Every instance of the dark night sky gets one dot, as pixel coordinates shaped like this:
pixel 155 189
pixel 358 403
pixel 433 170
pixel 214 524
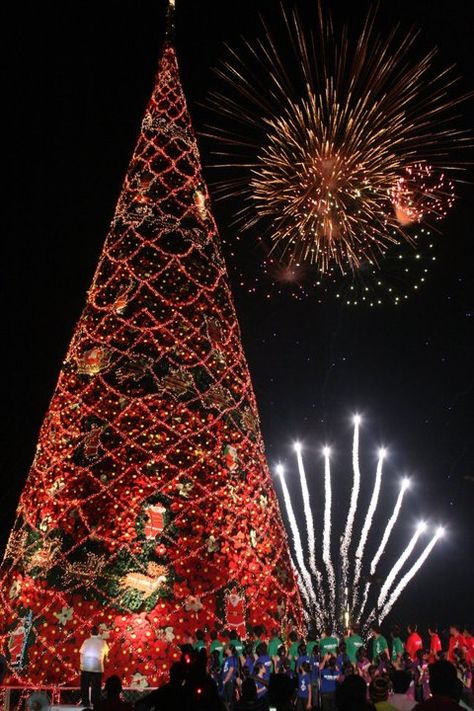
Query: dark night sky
pixel 78 79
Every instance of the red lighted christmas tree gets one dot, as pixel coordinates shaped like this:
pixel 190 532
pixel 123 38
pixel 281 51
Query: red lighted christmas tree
pixel 149 509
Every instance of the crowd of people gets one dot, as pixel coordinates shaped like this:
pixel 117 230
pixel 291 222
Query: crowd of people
pixel 265 672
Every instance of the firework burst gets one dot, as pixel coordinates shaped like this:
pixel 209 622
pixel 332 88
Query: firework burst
pixel 342 153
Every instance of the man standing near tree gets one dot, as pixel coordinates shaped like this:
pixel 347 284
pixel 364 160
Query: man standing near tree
pixel 93 653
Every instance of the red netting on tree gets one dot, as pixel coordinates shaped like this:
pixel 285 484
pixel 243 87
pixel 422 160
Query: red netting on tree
pixel 149 509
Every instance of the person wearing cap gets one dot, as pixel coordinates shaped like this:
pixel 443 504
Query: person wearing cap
pixel 378 691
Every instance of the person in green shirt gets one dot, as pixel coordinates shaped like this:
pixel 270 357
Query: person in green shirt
pixel 293 649
pixel 238 644
pixel 200 641
pixel 328 644
pixel 259 632
pixel 397 645
pixel 217 645
pixel 311 642
pixel 274 645
pixel 379 645
pixel 353 643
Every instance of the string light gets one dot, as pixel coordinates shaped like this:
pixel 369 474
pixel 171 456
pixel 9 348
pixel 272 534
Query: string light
pixel 149 509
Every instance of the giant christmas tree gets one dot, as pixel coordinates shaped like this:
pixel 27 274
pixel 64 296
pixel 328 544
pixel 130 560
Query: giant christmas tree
pixel 149 508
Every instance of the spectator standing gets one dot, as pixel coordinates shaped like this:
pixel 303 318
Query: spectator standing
pixel 216 645
pixel 303 657
pixel 303 695
pixel 469 640
pixel 329 675
pixel 264 659
pixel 456 641
pixel 229 676
pixel 315 660
pixel 414 642
pixel 397 647
pixel 353 643
pixel 435 643
pixel 248 700
pixel 328 643
pixel 293 649
pixel 274 645
pixel 379 646
pixel 200 642
pixel 260 681
pixel 94 651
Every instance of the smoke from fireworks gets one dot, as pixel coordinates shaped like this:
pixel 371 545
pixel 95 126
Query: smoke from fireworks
pixel 342 593
pixel 340 153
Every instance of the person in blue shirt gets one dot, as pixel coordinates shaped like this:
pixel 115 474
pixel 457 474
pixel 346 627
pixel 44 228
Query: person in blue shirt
pixel 304 694
pixel 260 682
pixel 263 658
pixel 302 658
pixel 342 656
pixel 229 675
pixel 315 660
pixel 247 658
pixel 329 675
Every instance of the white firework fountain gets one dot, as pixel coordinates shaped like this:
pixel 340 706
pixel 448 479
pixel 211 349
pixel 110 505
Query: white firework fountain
pixel 338 594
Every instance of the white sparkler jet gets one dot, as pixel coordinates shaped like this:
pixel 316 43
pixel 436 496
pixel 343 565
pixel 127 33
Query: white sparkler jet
pixel 346 541
pixel 296 536
pixel 308 514
pixel 368 523
pixel 327 531
pixel 405 485
pixel 400 563
pixel 411 573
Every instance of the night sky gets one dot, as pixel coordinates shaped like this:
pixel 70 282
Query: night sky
pixel 78 79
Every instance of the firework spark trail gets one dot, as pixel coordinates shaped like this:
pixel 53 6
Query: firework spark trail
pixel 309 520
pixel 391 523
pixel 296 538
pixel 346 541
pixel 410 573
pixel 301 584
pixel 386 535
pixel 367 526
pixel 327 533
pixel 399 564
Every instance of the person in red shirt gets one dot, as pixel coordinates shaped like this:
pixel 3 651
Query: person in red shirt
pixel 414 642
pixel 469 639
pixel 435 643
pixel 456 641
